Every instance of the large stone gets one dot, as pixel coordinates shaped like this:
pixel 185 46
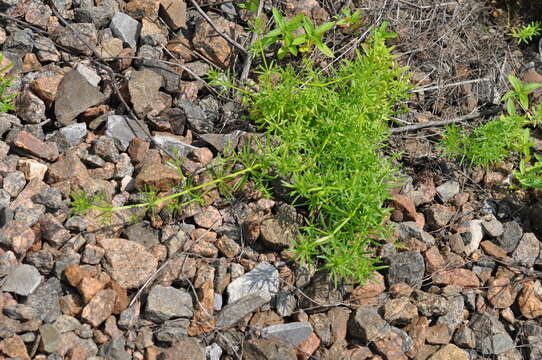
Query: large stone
pixel 124 129
pixel 143 87
pixel 207 41
pixel 23 280
pixel 461 277
pixel 85 34
pixel 45 300
pixel 17 236
pixel 99 308
pixel 527 250
pixel 367 325
pixel 263 279
pixel 293 333
pixel 448 190
pixel 233 312
pixel 268 349
pixel 530 300
pixel 166 302
pixel 491 336
pixel 512 233
pixel 186 349
pixel 450 352
pixel 125 28
pixel 410 229
pixel 28 143
pixel 408 267
pixel 157 176
pixel 29 107
pixel 277 234
pixel 174 13
pixel 128 262
pixel 75 95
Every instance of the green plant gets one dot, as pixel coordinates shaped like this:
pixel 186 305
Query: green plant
pixel 350 20
pixel 529 175
pixel 495 140
pixel 6 101
pixel 83 203
pixel 291 43
pixel 250 5
pixel 325 148
pixel 526 33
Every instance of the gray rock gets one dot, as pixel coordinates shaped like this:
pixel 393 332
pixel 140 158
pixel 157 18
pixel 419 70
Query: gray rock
pixel 98 15
pixel 213 352
pixel 142 233
pixel 7 121
pixel 89 74
pixel 125 28
pixel 23 280
pixel 50 197
pixel 172 331
pixel 491 336
pixel 129 316
pixel 233 312
pixel 277 233
pixel 66 323
pixel 430 304
pixel 409 229
pixel 464 337
pixel 407 343
pixel 293 333
pixel 50 338
pixel 510 237
pixel 196 117
pixel 368 325
pixel 492 226
pixel 321 290
pixel 45 50
pixel 166 302
pixel 173 146
pixel 104 147
pixel 263 279
pixel 448 190
pixel 322 327
pixel 124 129
pixel 217 305
pixel 14 183
pixel 143 87
pixel 115 349
pixel 20 42
pixel 285 303
pixel 87 31
pixel 42 260
pixel 75 95
pixel 68 258
pixel 535 347
pixel 29 215
pixel 527 250
pixel 454 315
pixel 221 142
pixel 20 312
pixel 268 349
pixel 71 135
pixel 408 267
pixel 29 107
pixel 46 300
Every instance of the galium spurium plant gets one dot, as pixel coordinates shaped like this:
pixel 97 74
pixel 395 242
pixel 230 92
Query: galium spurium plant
pixel 327 133
pixel 497 139
pixel 526 33
pixel 6 100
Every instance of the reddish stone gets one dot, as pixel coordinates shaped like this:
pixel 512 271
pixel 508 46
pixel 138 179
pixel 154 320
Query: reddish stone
pixel 308 347
pixel 29 143
pixel 461 277
pixel 433 260
pixel 99 308
pixel 46 88
pixel 405 205
pixel 501 294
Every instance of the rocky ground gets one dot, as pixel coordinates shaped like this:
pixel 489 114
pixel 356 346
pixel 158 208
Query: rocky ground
pixel 108 89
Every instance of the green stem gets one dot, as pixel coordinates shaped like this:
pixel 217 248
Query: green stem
pixel 175 195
